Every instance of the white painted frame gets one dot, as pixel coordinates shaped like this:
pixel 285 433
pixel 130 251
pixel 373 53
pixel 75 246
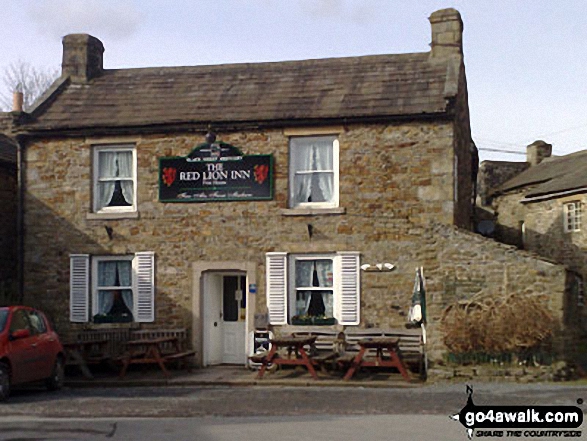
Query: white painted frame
pixel 572 216
pixel 95 288
pixel 292 290
pixel 335 172
pixel 96 150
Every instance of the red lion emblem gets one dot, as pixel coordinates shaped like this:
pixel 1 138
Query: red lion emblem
pixel 261 172
pixel 169 175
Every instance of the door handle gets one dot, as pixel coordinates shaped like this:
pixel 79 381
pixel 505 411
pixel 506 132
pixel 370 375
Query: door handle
pixel 215 323
pixel 33 345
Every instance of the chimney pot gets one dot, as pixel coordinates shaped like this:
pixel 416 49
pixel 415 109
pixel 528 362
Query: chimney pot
pixel 82 57
pixel 537 152
pixel 17 101
pixel 447 33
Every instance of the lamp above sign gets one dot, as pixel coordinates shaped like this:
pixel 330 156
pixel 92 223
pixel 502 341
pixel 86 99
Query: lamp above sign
pixel 215 171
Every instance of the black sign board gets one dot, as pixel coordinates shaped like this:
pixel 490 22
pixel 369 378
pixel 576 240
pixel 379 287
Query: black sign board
pixel 216 171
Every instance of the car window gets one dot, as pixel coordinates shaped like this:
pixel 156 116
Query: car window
pixel 3 318
pixel 19 321
pixel 37 322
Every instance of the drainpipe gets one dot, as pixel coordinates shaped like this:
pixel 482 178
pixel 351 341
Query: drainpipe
pixel 20 216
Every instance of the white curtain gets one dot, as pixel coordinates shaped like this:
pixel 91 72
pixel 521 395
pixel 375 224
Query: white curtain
pixel 107 169
pixel 323 161
pixel 125 171
pixel 125 278
pixel 305 278
pixel 324 270
pixel 301 160
pixel 106 277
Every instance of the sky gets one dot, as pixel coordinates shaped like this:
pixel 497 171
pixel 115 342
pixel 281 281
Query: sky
pixel 525 59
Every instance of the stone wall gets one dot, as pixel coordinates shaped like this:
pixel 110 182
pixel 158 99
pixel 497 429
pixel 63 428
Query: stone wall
pixel 390 177
pixel 8 236
pixel 494 173
pixel 544 235
pixel 396 189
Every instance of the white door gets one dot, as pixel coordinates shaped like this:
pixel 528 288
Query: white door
pixel 224 318
pixel 212 318
pixel 233 315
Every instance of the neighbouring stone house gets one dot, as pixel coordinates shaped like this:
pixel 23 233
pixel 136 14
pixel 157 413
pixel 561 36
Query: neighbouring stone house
pixel 135 217
pixel 8 220
pixel 540 209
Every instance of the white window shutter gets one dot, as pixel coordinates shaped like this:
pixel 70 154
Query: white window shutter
pixel 79 287
pixel 276 282
pixel 144 283
pixel 349 289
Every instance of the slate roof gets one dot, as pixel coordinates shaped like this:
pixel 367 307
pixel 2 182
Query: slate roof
pixel 334 88
pixel 553 175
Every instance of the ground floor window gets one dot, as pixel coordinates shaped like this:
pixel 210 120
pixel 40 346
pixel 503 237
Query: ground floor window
pixel 112 289
pixel 310 289
pixel 313 290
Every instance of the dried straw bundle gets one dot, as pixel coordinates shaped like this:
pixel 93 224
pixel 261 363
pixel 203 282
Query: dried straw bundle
pixel 497 325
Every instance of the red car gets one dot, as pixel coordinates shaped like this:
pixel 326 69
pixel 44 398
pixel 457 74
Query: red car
pixel 30 350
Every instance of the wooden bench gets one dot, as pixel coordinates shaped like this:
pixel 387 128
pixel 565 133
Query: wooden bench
pixel 328 346
pixel 169 350
pixel 410 342
pixel 115 340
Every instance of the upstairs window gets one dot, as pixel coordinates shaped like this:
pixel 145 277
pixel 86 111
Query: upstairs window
pixel 572 216
pixel 114 179
pixel 313 175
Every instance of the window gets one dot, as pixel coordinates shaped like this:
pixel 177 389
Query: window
pixel 313 178
pixel 118 289
pixel 312 293
pixel 3 318
pixel 38 324
pixel 113 299
pixel 302 288
pixel 572 216
pixel 115 179
pixel 20 321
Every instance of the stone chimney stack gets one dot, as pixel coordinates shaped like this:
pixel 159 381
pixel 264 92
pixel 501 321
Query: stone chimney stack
pixel 17 101
pixel 82 57
pixel 447 33
pixel 537 152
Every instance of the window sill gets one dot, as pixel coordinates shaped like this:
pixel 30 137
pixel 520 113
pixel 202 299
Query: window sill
pixel 98 326
pixel 112 216
pixel 312 211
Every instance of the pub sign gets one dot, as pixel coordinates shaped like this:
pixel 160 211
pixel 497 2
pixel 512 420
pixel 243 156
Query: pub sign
pixel 215 171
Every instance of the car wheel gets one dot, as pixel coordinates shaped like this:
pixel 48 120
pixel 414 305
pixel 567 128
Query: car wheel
pixel 55 381
pixel 4 382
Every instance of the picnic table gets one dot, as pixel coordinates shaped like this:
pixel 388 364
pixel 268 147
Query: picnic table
pixel 296 354
pixel 81 353
pixel 380 344
pixel 149 351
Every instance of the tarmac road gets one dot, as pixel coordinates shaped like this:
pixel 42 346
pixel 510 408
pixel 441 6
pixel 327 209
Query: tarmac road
pixel 196 401
pixel 219 413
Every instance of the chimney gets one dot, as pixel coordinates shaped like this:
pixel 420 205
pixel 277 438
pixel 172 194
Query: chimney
pixel 447 33
pixel 537 152
pixel 82 57
pixel 17 101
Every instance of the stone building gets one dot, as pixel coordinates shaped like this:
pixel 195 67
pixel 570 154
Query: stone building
pixel 539 209
pixel 8 221
pixel 134 218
